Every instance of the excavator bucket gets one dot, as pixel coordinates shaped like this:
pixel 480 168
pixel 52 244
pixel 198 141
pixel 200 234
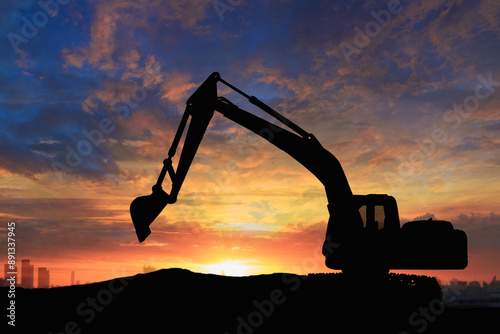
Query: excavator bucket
pixel 144 211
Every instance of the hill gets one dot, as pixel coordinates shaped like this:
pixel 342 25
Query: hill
pixel 180 301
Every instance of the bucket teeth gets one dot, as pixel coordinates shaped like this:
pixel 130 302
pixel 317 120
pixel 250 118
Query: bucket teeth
pixel 142 232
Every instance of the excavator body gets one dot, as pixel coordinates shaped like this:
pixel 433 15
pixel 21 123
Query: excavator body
pixel 383 244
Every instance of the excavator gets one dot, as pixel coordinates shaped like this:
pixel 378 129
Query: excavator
pixel 363 232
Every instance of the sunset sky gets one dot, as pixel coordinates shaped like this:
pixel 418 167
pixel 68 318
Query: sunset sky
pixel 405 94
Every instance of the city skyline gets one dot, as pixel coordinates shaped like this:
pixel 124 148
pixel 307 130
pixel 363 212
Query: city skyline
pixel 26 277
pixel 456 293
pixel 45 280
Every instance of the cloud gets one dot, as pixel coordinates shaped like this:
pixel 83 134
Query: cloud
pixel 426 216
pixel 177 86
pixel 114 24
pixel 72 58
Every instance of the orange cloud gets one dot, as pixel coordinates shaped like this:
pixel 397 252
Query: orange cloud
pixel 176 88
pixel 72 58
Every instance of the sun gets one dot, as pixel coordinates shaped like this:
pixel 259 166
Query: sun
pixel 229 268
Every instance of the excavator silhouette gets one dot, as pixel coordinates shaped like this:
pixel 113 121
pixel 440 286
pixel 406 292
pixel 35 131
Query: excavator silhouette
pixel 363 232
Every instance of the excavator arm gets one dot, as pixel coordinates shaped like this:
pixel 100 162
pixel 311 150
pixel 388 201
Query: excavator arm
pixel 301 145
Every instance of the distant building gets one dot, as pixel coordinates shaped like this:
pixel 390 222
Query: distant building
pixel 72 278
pixel 494 285
pixel 43 278
pixel 27 273
pixel 462 295
pixel 459 283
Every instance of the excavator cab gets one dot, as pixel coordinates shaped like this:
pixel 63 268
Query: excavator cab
pixel 378 212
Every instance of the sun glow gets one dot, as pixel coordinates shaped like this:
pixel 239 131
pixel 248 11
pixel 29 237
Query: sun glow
pixel 230 268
